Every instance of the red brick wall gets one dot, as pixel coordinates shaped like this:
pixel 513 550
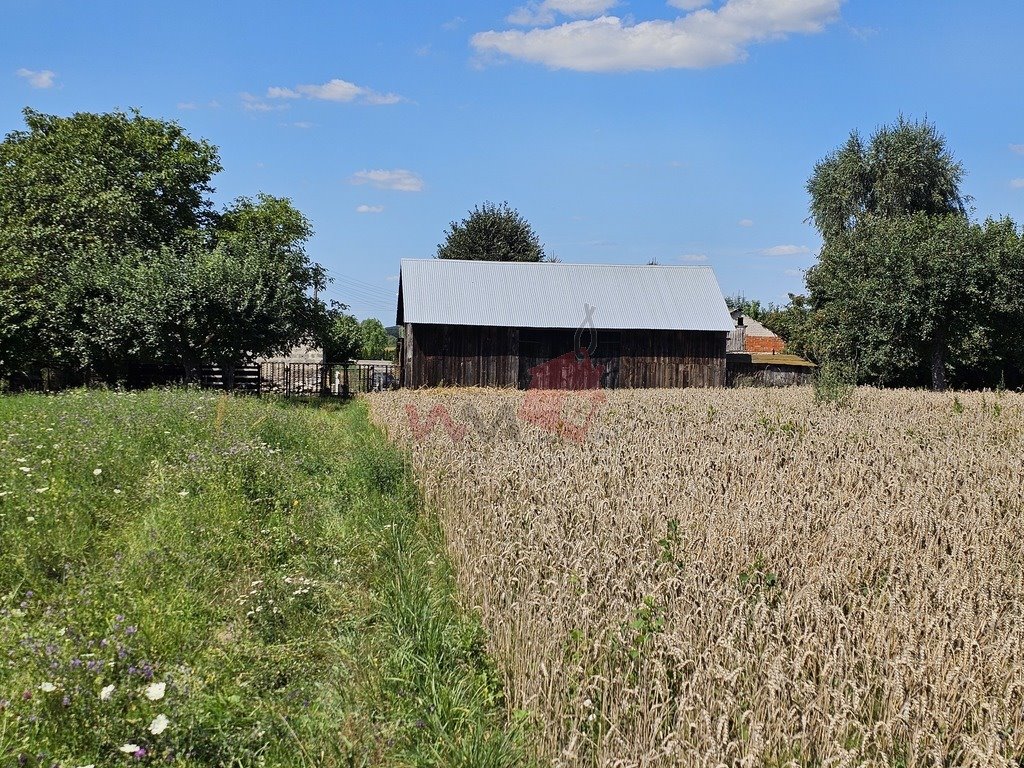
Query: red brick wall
pixel 763 344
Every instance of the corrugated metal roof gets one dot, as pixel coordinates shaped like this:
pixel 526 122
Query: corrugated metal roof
pixel 554 295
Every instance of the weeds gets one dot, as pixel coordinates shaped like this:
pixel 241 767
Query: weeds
pixel 193 580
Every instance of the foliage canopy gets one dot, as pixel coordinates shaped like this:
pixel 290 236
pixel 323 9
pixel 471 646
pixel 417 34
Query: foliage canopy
pixel 111 252
pixel 492 232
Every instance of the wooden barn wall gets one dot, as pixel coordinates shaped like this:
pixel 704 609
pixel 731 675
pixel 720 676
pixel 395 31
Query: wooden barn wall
pixel 453 355
pixel 671 359
pixel 461 355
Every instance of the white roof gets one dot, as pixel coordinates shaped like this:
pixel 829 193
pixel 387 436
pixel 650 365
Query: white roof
pixel 554 295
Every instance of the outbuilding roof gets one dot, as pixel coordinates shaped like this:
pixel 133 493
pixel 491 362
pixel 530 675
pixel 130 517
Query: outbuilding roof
pixel 555 295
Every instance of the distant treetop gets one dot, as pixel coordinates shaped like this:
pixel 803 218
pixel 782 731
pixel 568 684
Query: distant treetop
pixel 492 232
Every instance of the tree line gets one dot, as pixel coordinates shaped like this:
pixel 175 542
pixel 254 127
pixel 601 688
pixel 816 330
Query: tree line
pixel 908 290
pixel 112 255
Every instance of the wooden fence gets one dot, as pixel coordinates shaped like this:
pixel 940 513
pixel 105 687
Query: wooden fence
pixel 289 379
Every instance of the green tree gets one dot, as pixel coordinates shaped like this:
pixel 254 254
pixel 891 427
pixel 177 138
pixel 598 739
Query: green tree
pixel 899 276
pixel 111 253
pixel 752 308
pixel 342 340
pixel 77 195
pixel 374 340
pixel 492 233
pixel 791 323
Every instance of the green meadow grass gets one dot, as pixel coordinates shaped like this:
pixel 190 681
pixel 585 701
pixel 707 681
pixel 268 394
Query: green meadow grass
pixel 192 579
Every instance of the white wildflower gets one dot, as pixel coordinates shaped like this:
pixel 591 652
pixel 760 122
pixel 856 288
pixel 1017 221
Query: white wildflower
pixel 47 687
pixel 97 471
pixel 117 491
pixel 183 493
pixel 106 692
pixel 44 489
pixel 155 691
pixel 30 519
pixel 25 469
pixel 130 749
pixel 159 725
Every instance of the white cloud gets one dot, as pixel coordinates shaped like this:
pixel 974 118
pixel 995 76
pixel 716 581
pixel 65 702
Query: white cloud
pixel 281 93
pixel 42 78
pixel 398 179
pixel 453 23
pixel 369 209
pixel 1017 183
pixel 794 272
pixel 693 258
pixel 535 13
pixel 195 105
pixel 334 90
pixel 689 5
pixel 786 250
pixel 702 38
pixel 304 124
pixel 746 222
pixel 256 104
pixel 1018 148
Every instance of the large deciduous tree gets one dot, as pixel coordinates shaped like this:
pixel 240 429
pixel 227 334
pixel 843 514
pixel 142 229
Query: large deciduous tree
pixel 492 232
pixel 111 253
pixel 374 339
pixel 901 279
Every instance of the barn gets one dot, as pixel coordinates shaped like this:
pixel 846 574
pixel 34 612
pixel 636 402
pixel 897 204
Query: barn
pixel 503 324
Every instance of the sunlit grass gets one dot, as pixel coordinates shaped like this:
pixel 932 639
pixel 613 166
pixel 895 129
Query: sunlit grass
pixel 199 580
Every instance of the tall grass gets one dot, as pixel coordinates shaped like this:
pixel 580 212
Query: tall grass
pixel 197 580
pixel 745 577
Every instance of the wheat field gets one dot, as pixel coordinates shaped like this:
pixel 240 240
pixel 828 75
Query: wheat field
pixel 740 577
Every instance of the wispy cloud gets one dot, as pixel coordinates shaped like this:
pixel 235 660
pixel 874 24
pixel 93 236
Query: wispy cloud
pixel 689 5
pixel 692 258
pixel 369 209
pixel 453 23
pixel 541 12
pixel 303 124
pixel 794 272
pixel 1018 148
pixel 189 105
pixel 334 90
pixel 786 250
pixel 1017 183
pixel 253 103
pixel 397 179
pixel 746 222
pixel 38 78
pixel 697 39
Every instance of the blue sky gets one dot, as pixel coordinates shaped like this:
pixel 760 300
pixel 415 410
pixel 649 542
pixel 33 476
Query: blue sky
pixel 682 131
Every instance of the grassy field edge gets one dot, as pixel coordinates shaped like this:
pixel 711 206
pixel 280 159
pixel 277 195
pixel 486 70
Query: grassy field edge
pixel 197 580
